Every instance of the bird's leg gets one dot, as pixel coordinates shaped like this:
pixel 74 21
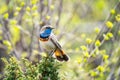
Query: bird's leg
pixel 51 53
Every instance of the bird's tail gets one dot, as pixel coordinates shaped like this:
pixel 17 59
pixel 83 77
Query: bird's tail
pixel 60 55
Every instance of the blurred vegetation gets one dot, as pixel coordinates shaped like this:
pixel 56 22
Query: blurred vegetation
pixel 44 70
pixel 88 31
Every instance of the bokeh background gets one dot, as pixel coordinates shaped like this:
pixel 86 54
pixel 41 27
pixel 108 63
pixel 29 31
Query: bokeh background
pixel 88 31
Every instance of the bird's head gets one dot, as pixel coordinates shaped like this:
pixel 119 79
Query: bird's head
pixel 47 29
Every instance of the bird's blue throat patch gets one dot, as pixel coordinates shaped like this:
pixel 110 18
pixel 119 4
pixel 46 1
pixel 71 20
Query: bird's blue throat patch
pixel 46 34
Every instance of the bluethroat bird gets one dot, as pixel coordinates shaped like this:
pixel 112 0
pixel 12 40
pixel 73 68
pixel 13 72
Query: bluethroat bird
pixel 50 43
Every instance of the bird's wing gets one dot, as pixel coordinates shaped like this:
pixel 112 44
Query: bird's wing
pixel 59 53
pixel 55 41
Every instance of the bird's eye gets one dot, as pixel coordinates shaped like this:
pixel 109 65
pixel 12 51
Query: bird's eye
pixel 47 27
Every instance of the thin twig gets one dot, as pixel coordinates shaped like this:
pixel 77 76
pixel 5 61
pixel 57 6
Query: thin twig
pixel 59 13
pixel 104 29
pixel 32 40
pixel 7 36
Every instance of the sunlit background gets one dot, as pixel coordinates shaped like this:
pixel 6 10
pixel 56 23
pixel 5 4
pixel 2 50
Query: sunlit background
pixel 79 28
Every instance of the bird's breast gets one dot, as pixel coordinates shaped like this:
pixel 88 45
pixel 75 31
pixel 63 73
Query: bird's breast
pixel 47 45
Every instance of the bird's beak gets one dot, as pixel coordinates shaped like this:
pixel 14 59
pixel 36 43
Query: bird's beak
pixel 52 28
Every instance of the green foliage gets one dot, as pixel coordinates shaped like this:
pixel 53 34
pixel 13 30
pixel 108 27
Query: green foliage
pixel 49 69
pixel 25 70
pixel 12 70
pixel 30 70
pixel 79 25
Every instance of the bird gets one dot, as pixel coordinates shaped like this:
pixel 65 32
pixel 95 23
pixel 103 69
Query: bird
pixel 50 43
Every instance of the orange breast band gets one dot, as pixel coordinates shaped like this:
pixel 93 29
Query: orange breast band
pixel 41 39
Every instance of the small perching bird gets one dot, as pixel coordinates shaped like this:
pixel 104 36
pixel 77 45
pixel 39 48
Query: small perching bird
pixel 50 43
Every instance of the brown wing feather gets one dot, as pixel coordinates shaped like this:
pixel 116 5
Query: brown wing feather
pixel 55 42
pixel 59 52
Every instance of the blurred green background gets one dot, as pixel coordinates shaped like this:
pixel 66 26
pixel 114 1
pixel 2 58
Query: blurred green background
pixel 78 23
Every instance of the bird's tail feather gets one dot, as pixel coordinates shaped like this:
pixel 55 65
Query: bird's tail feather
pixel 60 55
